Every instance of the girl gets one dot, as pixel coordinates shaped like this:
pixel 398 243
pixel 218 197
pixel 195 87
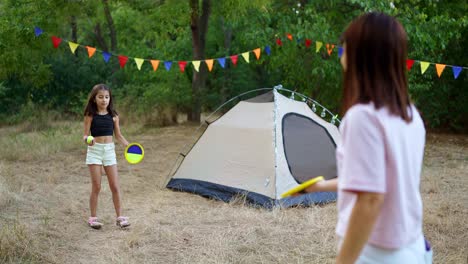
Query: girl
pixel 102 121
pixel 380 156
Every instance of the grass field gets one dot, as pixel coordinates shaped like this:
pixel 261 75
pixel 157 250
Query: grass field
pixel 44 192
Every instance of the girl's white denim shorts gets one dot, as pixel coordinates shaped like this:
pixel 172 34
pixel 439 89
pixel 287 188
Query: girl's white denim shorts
pixel 101 154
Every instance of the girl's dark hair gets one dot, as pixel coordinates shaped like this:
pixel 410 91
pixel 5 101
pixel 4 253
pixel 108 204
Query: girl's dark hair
pixel 376 53
pixel 91 107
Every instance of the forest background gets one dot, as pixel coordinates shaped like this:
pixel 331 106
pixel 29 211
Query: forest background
pixel 38 81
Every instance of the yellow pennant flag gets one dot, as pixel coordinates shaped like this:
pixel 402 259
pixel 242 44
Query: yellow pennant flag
pixel 440 68
pixel 424 66
pixel 73 46
pixel 245 55
pixel 196 65
pixel 139 62
pixel 318 45
pixel 209 63
pixel 91 51
pixel 155 64
pixel 257 53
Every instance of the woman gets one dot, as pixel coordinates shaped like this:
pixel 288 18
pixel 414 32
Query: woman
pixel 380 156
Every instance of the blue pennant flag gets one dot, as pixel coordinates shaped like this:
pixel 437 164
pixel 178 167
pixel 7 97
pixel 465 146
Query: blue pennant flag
pixel 168 65
pixel 268 50
pixel 298 40
pixel 37 31
pixel 106 56
pixel 222 62
pixel 340 52
pixel 456 71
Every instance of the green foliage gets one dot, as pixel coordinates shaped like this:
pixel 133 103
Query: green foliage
pixel 33 75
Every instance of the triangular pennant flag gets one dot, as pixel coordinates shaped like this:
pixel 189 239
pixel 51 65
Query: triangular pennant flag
pixel 56 41
pixel 196 65
pixel 122 60
pixel 155 64
pixel 318 45
pixel 139 62
pixel 424 66
pixel 409 64
pixel 91 51
pixel 456 71
pixel 234 59
pixel 106 56
pixel 440 68
pixel 278 41
pixel 257 53
pixel 222 62
pixel 209 63
pixel 308 42
pixel 298 40
pixel 73 46
pixel 168 65
pixel 330 48
pixel 289 36
pixel 182 65
pixel 340 52
pixel 245 55
pixel 268 50
pixel 37 31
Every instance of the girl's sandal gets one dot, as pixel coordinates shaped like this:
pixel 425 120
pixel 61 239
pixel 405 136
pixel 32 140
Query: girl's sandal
pixel 122 222
pixel 94 223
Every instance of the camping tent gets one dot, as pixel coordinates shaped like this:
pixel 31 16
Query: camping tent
pixel 261 148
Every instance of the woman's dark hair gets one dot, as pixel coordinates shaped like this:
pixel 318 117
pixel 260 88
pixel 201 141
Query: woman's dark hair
pixel 376 53
pixel 91 107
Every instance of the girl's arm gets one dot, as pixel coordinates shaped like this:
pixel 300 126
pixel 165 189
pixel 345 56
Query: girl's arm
pixel 361 223
pixel 87 127
pixel 119 135
pixel 324 186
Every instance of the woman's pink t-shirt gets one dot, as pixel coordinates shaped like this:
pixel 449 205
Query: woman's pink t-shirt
pixel 380 152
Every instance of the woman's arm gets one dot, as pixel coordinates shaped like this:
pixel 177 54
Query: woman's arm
pixel 324 186
pixel 87 127
pixel 361 223
pixel 118 134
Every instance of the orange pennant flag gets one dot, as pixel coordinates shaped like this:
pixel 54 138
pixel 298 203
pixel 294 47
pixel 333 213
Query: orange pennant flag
pixel 91 51
pixel 209 63
pixel 330 48
pixel 440 68
pixel 257 53
pixel 290 37
pixel 155 64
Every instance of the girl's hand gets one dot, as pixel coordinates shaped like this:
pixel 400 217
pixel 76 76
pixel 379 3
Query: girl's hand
pixel 91 143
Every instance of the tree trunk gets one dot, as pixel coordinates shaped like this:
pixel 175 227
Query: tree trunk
pixel 110 24
pixel 227 30
pixel 74 29
pixel 199 27
pixel 74 32
pixel 99 38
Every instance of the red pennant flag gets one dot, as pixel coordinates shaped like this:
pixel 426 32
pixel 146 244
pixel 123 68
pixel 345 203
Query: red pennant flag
pixel 330 48
pixel 234 59
pixel 182 65
pixel 56 41
pixel 289 36
pixel 409 64
pixel 278 41
pixel 308 42
pixel 122 60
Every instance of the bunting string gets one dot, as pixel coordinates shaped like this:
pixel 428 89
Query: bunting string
pixel 319 45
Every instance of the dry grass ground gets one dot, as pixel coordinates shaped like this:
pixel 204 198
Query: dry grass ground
pixel 44 189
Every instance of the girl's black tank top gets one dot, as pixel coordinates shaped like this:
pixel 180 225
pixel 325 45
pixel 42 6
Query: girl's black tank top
pixel 102 125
